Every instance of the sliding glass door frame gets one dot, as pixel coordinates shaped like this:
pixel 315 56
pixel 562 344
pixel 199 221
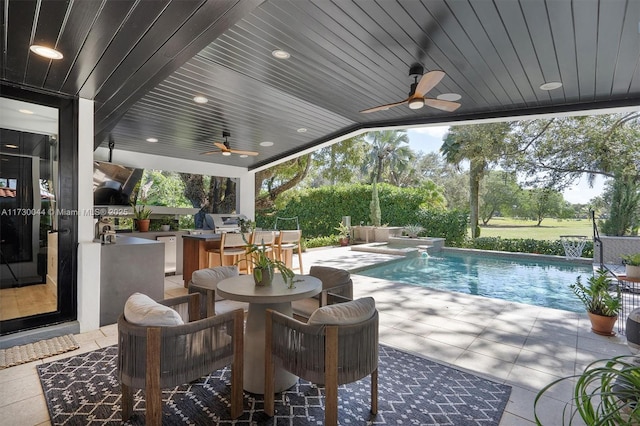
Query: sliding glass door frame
pixel 67 204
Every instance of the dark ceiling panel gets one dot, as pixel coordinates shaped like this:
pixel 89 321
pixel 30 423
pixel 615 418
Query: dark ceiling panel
pixel 100 36
pixel 74 34
pixel 49 22
pixel 144 61
pixel 20 20
pixel 135 26
pixel 212 19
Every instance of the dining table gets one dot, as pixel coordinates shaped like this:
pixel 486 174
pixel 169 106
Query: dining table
pixel 278 297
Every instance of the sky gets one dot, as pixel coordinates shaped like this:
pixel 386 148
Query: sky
pixel 429 139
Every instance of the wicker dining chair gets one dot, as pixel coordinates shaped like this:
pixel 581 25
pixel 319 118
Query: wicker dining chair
pixel 205 281
pixel 153 357
pixel 337 287
pixel 339 344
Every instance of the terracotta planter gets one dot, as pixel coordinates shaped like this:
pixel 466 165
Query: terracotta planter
pixel 602 325
pixel 632 271
pixel 344 242
pixel 143 224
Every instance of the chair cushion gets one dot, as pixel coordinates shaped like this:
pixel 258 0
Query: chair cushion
pixel 352 312
pixel 142 310
pixel 329 276
pixel 210 277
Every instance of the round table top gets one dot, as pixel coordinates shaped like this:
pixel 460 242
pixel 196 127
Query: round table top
pixel 243 289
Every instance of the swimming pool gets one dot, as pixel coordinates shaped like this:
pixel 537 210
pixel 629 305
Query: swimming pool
pixel 532 282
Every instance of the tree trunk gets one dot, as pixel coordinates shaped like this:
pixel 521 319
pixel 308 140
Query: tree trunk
pixel 475 174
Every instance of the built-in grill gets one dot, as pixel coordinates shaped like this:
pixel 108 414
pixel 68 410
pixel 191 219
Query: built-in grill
pixel 223 222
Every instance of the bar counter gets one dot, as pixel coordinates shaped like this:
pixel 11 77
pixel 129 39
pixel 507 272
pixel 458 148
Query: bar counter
pixel 194 253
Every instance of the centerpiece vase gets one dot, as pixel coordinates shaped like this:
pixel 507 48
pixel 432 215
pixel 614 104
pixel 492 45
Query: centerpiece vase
pixel 263 276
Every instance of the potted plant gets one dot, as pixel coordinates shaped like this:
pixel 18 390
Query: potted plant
pixel 413 230
pixel 602 307
pixel 632 265
pixel 263 266
pixel 141 218
pixel 343 234
pixel 165 223
pixel 606 393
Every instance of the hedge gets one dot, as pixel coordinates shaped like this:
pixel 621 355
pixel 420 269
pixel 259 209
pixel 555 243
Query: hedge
pixel 522 245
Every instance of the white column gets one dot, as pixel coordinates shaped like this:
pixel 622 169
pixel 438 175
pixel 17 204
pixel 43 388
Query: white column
pixel 88 251
pixel 245 197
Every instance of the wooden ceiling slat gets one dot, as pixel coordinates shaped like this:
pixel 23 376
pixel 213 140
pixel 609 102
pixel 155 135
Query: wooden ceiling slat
pixel 585 15
pixel 608 45
pixel 519 35
pixel 495 29
pixel 440 50
pixel 139 24
pixel 73 37
pixel 18 35
pixel 476 34
pixel 100 36
pixel 537 22
pixel 212 19
pixel 50 18
pixel 560 16
pixel 627 66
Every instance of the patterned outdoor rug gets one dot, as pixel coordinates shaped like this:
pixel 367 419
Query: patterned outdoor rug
pixel 37 350
pixel 84 390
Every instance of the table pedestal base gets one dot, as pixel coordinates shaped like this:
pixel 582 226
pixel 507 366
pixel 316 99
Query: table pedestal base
pixel 254 345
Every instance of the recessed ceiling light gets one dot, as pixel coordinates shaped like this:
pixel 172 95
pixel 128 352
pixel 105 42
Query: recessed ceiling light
pixel 449 97
pixel 281 54
pixel 302 130
pixel 25 111
pixel 47 52
pixel 200 100
pixel 266 143
pixel 152 140
pixel 551 85
pixel 11 146
pixel 226 153
pixel 243 156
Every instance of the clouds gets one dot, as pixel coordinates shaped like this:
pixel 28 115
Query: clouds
pixel 433 131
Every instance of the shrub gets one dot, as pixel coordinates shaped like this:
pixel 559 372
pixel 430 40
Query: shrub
pixel 522 245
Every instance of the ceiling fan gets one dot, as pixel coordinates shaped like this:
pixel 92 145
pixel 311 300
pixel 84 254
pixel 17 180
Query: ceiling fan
pixel 225 149
pixel 419 89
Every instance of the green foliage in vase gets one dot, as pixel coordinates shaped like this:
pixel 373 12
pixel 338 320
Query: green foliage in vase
pixel 258 256
pixel 142 212
pixel 631 259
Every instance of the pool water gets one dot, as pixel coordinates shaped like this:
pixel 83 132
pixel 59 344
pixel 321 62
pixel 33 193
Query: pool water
pixel 532 282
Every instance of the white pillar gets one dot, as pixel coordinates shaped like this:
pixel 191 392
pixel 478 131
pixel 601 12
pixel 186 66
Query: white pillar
pixel 246 198
pixel 88 251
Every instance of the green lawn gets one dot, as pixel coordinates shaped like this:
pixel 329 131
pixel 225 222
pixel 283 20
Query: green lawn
pixel 549 229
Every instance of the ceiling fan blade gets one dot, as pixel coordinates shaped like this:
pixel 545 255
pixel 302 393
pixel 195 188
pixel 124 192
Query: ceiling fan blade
pixel 443 105
pixel 239 152
pixel 383 107
pixel 210 152
pixel 221 146
pixel 428 82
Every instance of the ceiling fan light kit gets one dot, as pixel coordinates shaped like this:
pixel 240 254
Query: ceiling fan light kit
pixel 418 94
pixel 226 150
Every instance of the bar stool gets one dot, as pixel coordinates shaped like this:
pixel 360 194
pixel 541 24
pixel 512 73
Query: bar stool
pixel 231 245
pixel 266 239
pixel 285 243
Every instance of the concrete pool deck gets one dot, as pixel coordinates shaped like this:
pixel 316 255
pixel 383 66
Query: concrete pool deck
pixel 523 346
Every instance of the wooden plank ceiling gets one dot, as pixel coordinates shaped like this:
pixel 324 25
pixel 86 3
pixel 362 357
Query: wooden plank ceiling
pixel 144 61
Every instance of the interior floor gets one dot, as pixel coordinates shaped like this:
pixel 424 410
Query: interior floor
pixel 26 301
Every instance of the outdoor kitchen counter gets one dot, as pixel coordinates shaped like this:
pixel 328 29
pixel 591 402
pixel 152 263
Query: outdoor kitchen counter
pixel 128 266
pixel 194 253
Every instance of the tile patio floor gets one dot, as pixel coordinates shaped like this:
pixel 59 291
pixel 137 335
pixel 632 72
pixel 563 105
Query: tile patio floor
pixel 520 345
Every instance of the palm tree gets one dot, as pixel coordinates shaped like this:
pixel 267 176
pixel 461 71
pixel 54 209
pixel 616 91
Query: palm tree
pixel 481 145
pixel 386 148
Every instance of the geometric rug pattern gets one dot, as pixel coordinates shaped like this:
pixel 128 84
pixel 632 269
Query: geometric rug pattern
pixel 84 390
